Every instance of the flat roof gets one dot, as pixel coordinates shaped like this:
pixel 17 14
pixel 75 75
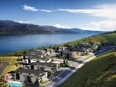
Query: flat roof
pixel 43 63
pixel 31 71
pixel 40 63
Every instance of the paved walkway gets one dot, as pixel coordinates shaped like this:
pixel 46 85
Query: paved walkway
pixel 3 66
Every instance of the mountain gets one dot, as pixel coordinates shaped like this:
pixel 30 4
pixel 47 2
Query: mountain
pixel 14 28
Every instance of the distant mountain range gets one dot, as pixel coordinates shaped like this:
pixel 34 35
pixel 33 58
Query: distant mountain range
pixel 8 27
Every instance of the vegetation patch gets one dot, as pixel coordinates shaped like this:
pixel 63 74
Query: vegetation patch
pixel 109 37
pixel 44 83
pixel 29 85
pixel 9 59
pixel 34 85
pixel 78 58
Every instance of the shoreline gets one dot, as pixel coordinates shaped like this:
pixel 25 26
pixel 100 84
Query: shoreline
pixel 81 40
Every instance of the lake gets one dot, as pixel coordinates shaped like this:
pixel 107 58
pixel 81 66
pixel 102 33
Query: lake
pixel 12 43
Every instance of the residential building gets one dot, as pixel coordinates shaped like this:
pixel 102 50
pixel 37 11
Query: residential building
pixel 30 76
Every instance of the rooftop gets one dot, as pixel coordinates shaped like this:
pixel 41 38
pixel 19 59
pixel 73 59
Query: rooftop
pixel 43 63
pixel 36 72
pixel 40 63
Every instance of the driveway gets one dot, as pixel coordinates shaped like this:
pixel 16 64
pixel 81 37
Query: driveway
pixel 58 78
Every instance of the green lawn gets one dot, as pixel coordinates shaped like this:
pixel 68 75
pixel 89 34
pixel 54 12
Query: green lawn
pixel 33 85
pixel 100 72
pixel 44 83
pixel 78 58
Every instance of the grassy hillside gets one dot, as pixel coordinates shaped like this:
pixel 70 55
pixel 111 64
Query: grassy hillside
pixel 109 37
pixel 12 66
pixel 100 72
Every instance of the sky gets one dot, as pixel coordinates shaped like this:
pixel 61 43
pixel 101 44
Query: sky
pixel 85 14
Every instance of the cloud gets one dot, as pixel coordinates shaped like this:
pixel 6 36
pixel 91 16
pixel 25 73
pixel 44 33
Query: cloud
pixel 21 21
pixel 106 11
pixel 29 8
pixel 108 25
pixel 61 26
pixel 44 10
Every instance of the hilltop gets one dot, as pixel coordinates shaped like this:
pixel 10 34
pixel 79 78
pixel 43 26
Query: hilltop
pixel 106 37
pixel 100 72
pixel 8 27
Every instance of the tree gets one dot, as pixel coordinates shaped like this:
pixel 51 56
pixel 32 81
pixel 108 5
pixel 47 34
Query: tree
pixel 2 82
pixel 65 61
pixel 43 48
pixel 54 47
pixel 50 46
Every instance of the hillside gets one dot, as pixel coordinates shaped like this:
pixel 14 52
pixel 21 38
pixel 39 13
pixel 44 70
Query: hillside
pixel 106 37
pixel 14 28
pixel 100 72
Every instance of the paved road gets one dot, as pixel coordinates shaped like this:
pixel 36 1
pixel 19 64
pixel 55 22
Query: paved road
pixel 3 66
pixel 65 73
pixel 74 65
pixel 57 79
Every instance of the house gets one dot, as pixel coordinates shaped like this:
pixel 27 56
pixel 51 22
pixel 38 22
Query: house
pixel 41 53
pixel 87 47
pixel 107 43
pixel 49 67
pixel 30 76
pixel 70 48
pixel 95 47
pixel 49 50
pixel 59 49
pixel 35 52
pixel 31 59
pixel 71 54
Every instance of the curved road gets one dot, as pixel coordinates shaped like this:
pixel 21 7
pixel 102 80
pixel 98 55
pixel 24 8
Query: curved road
pixel 3 67
pixel 56 81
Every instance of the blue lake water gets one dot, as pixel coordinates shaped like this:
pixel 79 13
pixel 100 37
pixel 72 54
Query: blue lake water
pixel 13 43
